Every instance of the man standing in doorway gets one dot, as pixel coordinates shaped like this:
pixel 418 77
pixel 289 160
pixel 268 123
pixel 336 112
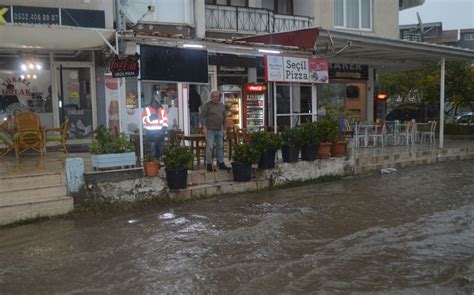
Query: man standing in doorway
pixel 194 104
pixel 213 122
pixel 155 121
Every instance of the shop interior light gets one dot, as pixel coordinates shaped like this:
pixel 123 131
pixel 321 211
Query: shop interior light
pixel 38 67
pixel 22 77
pixel 34 77
pixel 28 76
pixel 193 46
pixel 269 51
pixel 31 66
pixel 23 67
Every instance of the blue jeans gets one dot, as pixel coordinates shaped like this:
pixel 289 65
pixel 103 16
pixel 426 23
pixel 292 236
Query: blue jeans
pixel 216 137
pixel 194 122
pixel 156 139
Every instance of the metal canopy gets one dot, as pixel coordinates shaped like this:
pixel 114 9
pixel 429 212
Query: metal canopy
pixel 377 51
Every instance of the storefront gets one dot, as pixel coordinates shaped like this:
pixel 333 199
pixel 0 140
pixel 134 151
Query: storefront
pixel 48 65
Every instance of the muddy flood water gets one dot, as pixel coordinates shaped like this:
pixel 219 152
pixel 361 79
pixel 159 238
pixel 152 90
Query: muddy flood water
pixel 411 232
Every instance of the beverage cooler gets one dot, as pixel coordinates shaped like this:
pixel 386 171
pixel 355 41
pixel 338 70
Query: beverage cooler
pixel 254 106
pixel 231 96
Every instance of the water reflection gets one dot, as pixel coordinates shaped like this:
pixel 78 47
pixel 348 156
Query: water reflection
pixel 408 232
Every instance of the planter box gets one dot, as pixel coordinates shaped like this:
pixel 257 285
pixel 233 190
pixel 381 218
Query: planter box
pixel 113 160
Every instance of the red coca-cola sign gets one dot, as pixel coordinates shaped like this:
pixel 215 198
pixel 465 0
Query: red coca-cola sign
pixel 127 67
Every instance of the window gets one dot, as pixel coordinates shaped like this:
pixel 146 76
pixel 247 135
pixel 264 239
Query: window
pixel 228 2
pixel 353 14
pixel 469 37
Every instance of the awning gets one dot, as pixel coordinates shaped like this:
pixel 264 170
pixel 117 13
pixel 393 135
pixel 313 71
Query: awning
pixel 383 52
pixel 52 37
pixel 303 39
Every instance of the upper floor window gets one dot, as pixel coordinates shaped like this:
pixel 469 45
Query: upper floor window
pixel 353 14
pixel 229 2
pixel 469 37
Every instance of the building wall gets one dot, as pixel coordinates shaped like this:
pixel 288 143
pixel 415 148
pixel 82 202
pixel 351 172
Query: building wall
pixel 384 17
pixel 106 5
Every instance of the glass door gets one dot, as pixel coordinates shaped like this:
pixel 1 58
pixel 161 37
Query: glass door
pixel 76 99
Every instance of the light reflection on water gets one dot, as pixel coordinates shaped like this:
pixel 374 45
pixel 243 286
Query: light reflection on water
pixel 409 232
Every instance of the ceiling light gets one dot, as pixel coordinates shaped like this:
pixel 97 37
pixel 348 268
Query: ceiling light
pixel 28 76
pixel 269 51
pixel 34 77
pixel 22 77
pixel 193 46
pixel 38 67
pixel 23 67
pixel 31 66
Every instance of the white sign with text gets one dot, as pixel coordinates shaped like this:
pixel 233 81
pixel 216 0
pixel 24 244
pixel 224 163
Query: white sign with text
pixel 279 68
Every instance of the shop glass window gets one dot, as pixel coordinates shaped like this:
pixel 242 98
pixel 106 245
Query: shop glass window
pixel 353 14
pixel 333 98
pixel 469 37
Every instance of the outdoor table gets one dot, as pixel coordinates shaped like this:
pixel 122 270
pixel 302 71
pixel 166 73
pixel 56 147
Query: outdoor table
pixel 195 140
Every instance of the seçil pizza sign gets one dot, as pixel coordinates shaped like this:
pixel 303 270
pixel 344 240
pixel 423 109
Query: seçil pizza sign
pixel 281 68
pixel 125 67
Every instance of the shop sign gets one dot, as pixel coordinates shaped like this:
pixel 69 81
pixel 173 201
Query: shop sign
pixel 348 71
pixel 52 16
pixel 279 68
pixel 127 67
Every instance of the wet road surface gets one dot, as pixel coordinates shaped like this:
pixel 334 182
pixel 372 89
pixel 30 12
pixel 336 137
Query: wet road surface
pixel 407 233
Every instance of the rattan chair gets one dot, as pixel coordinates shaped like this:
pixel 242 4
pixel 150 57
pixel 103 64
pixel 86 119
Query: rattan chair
pixel 29 135
pixel 57 135
pixel 6 136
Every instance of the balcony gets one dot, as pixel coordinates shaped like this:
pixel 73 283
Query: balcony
pixel 233 19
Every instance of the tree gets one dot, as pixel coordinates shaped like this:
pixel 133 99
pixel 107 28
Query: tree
pixel 424 84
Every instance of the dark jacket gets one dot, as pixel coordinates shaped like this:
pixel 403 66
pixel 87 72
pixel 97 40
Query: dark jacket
pixel 194 101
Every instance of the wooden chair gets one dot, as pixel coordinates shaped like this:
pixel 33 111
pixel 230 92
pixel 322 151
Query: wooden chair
pixel 6 136
pixel 242 135
pixel 57 135
pixel 231 140
pixel 29 135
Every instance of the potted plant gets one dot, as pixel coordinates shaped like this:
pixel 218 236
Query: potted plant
pixel 111 151
pixel 338 147
pixel 151 164
pixel 292 142
pixel 177 161
pixel 243 157
pixel 267 143
pixel 328 132
pixel 309 149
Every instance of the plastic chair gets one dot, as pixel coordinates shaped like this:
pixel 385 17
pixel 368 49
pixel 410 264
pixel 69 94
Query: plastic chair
pixel 29 135
pixel 431 134
pixel 378 134
pixel 57 135
pixel 6 137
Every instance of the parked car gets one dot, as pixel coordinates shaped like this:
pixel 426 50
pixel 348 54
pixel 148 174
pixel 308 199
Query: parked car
pixel 410 112
pixel 466 120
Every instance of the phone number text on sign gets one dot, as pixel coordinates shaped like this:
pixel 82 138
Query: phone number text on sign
pixel 44 16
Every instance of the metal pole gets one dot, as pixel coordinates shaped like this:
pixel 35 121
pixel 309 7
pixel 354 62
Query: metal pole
pixel 441 104
pixel 139 97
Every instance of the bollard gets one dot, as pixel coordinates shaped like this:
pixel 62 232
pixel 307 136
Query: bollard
pixel 74 174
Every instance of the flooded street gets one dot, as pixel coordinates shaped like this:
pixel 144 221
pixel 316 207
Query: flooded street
pixel 409 232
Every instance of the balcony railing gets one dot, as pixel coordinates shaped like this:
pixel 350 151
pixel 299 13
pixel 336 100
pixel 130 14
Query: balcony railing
pixel 252 20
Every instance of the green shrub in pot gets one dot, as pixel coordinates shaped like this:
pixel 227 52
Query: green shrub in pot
pixel 243 157
pixel 267 143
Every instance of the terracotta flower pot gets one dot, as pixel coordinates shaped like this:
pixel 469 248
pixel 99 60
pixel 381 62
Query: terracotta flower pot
pixel 151 168
pixel 338 149
pixel 323 152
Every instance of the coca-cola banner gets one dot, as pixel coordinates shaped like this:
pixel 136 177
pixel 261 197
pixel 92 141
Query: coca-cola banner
pixel 126 67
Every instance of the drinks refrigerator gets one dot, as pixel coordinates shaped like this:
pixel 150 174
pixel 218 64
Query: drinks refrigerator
pixel 231 96
pixel 254 106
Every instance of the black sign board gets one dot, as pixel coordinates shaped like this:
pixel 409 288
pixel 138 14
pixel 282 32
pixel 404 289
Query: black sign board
pixel 348 71
pixel 171 64
pixel 35 15
pixel 52 16
pixel 127 67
